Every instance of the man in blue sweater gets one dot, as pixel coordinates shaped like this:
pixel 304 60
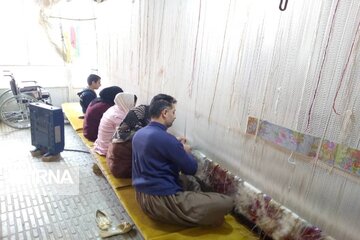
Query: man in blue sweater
pixel 158 158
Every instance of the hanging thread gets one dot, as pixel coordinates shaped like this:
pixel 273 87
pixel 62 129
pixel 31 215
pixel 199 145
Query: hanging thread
pixel 220 63
pixel 290 160
pixel 316 158
pixel 190 84
pixel 343 72
pixel 322 65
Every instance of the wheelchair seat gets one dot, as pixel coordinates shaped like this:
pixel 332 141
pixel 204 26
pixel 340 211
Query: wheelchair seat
pixel 29 89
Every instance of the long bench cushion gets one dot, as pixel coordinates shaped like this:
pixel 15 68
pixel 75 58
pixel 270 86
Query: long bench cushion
pixel 150 229
pixel 230 230
pixel 73 111
pixel 114 182
pixel 88 143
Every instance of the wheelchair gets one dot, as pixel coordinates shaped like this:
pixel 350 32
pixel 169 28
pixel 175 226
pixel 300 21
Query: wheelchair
pixel 14 107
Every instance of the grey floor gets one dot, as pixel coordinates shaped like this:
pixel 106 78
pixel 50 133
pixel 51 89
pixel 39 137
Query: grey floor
pixel 43 216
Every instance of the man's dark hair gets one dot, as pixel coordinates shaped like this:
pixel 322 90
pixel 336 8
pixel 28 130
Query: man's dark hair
pixel 92 78
pixel 159 103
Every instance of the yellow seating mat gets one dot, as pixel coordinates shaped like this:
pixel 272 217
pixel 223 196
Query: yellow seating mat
pixel 149 228
pixel 73 111
pixel 88 143
pixel 230 230
pixel 114 182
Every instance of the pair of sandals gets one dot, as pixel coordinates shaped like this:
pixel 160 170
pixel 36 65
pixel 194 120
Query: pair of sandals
pixel 44 155
pixel 106 230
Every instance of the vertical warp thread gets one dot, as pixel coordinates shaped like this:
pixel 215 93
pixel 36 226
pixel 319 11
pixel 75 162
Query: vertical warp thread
pixel 195 52
pixel 221 58
pixel 139 44
pixel 316 158
pixel 343 72
pixel 322 65
pixel 161 29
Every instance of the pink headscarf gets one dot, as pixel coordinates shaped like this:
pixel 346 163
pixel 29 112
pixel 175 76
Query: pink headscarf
pixel 125 101
pixel 111 119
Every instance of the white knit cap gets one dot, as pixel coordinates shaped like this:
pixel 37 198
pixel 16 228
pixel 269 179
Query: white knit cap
pixel 125 101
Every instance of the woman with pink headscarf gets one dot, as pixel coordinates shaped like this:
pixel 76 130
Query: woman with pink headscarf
pixel 111 119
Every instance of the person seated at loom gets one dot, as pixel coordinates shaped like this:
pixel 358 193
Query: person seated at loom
pixel 111 119
pixel 89 94
pixel 162 192
pixel 119 152
pixel 96 110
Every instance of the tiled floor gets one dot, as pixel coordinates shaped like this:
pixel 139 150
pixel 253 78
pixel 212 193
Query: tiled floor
pixel 55 216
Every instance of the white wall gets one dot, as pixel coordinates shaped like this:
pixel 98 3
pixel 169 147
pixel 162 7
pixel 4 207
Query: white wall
pixel 54 44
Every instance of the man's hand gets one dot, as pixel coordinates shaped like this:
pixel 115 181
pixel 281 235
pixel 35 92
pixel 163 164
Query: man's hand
pixel 187 148
pixel 181 139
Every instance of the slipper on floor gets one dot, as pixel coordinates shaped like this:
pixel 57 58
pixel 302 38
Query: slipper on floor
pixel 122 228
pixel 102 220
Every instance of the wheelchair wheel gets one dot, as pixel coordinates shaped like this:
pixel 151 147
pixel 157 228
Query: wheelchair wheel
pixel 14 111
pixel 5 95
